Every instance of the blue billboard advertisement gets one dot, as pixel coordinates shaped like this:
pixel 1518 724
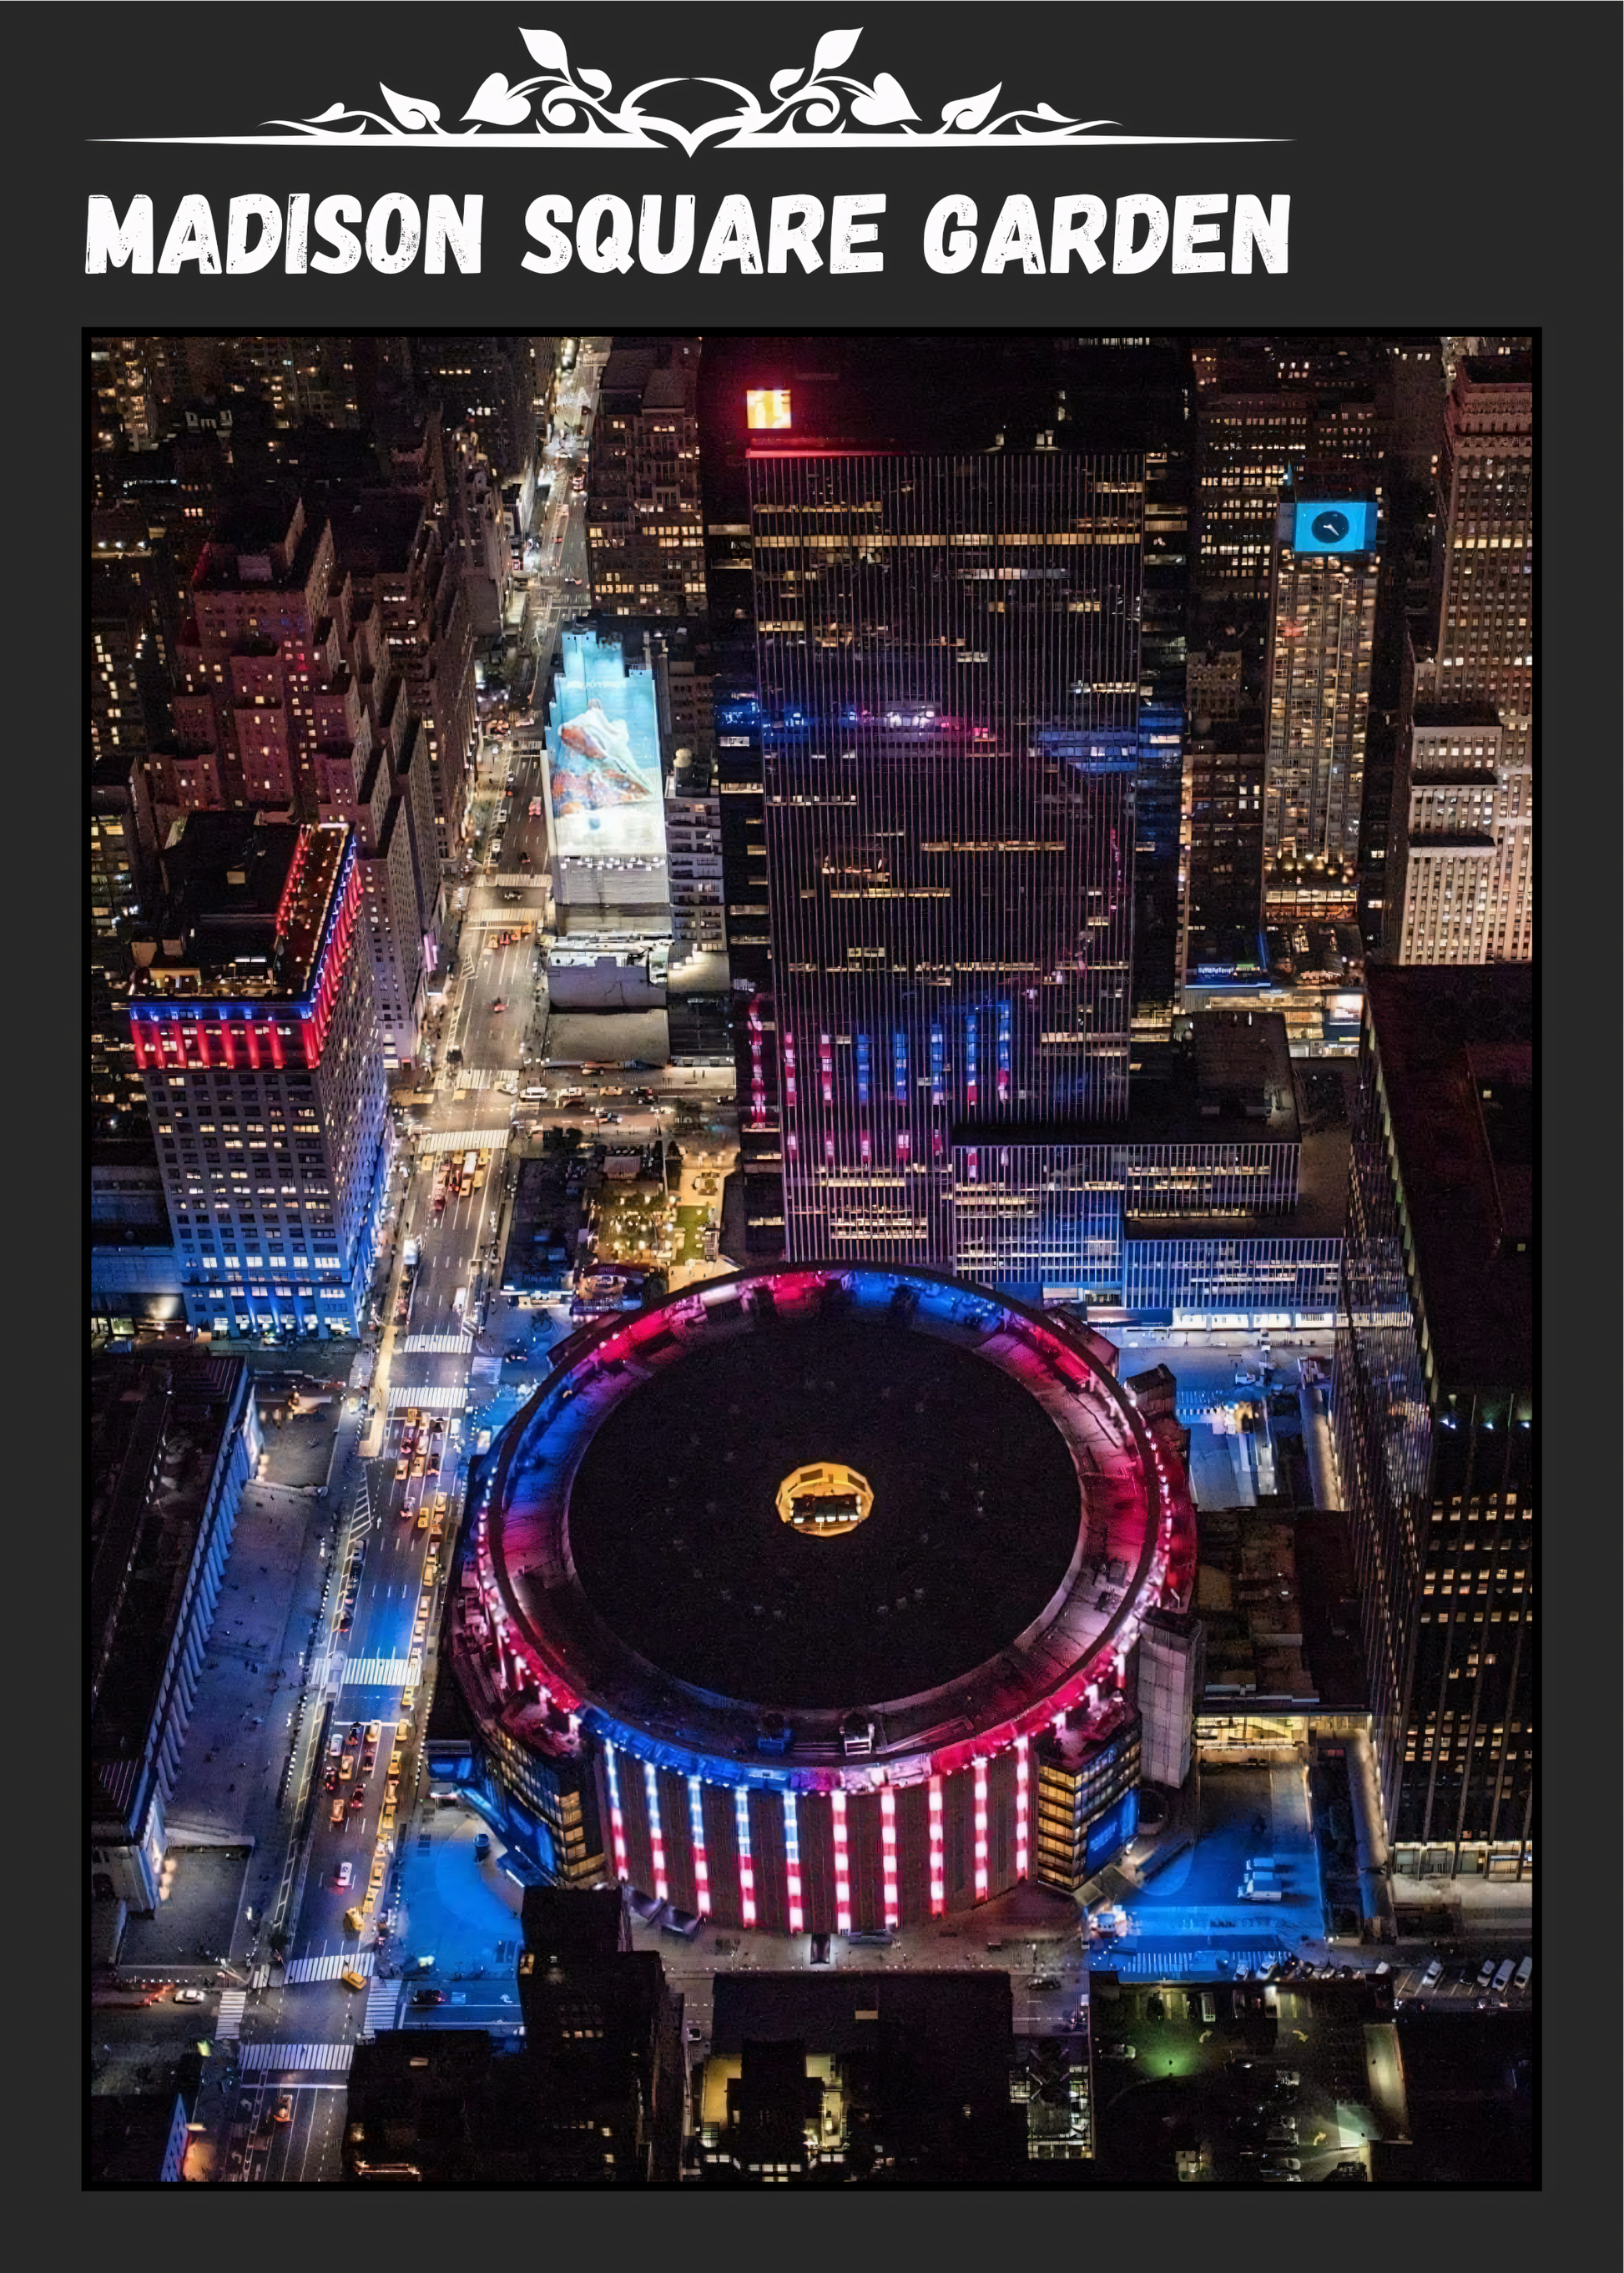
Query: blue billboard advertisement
pixel 604 796
pixel 1333 525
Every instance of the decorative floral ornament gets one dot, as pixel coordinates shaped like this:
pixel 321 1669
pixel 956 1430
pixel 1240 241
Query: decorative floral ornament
pixel 570 102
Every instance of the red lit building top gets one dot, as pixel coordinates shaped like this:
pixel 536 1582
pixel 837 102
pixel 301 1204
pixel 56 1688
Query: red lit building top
pixel 255 940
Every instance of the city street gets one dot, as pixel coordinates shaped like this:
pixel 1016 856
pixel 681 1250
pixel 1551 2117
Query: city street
pixel 459 1129
pixel 349 1816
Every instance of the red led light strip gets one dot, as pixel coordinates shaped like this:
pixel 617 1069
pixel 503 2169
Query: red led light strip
pixel 981 1831
pixel 938 1877
pixel 1022 1808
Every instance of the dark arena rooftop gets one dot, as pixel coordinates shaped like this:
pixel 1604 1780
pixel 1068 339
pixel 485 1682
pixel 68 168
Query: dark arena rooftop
pixel 677 1542
pixel 654 1565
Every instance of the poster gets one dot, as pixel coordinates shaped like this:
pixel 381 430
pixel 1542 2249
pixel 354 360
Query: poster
pixel 1107 171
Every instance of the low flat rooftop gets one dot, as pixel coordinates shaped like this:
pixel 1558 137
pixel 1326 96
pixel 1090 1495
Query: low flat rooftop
pixel 1456 1053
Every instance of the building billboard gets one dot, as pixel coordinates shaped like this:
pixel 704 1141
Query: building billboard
pixel 1333 525
pixel 604 796
pixel 767 407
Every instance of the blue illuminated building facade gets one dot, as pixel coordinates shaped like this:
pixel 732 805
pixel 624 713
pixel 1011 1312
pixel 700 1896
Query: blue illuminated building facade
pixel 255 1034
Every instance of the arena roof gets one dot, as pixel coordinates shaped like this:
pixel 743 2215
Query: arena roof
pixel 632 1557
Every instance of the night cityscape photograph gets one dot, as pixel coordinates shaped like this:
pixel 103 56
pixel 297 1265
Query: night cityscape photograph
pixel 811 1260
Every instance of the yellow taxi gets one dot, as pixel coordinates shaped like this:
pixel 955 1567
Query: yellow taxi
pixel 403 1469
pixel 423 1519
pixel 346 1767
pixel 353 1920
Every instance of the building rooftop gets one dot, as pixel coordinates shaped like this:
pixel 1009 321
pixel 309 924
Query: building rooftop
pixel 1435 717
pixel 158 1422
pixel 131 2134
pixel 932 393
pixel 636 1560
pixel 245 911
pixel 1456 1048
pixel 1243 1063
pixel 917 2063
pixel 259 537
pixel 1231 1083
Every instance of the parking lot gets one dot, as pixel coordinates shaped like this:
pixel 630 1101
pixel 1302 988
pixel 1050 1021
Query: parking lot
pixel 1250 2085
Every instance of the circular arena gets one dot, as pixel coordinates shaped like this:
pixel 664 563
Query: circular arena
pixel 811 1599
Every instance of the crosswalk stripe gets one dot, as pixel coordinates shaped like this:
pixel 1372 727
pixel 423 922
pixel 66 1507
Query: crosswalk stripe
pixel 1167 1965
pixel 462 1140
pixel 429 1398
pixel 382 2005
pixel 328 1967
pixel 375 1672
pixel 438 1344
pixel 228 2019
pixel 296 2056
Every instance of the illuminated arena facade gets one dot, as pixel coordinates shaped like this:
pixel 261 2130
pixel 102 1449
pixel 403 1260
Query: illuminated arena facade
pixel 816 1727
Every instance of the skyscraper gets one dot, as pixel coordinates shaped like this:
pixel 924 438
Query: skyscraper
pixel 949 671
pixel 1435 1414
pixel 1484 653
pixel 1445 840
pixel 254 1024
pixel 1321 635
pixel 645 528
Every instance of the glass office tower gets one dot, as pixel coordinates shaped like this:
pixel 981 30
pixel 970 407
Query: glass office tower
pixel 949 666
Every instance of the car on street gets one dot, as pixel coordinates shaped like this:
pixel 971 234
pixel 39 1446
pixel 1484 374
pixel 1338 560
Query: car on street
pixel 1433 1974
pixel 189 1996
pixel 346 1767
pixel 358 1797
pixel 428 1996
pixel 499 1004
pixel 331 1779
pixel 1118 2050
pixel 1485 1972
pixel 284 2108
pixel 343 1875
pixel 337 1817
